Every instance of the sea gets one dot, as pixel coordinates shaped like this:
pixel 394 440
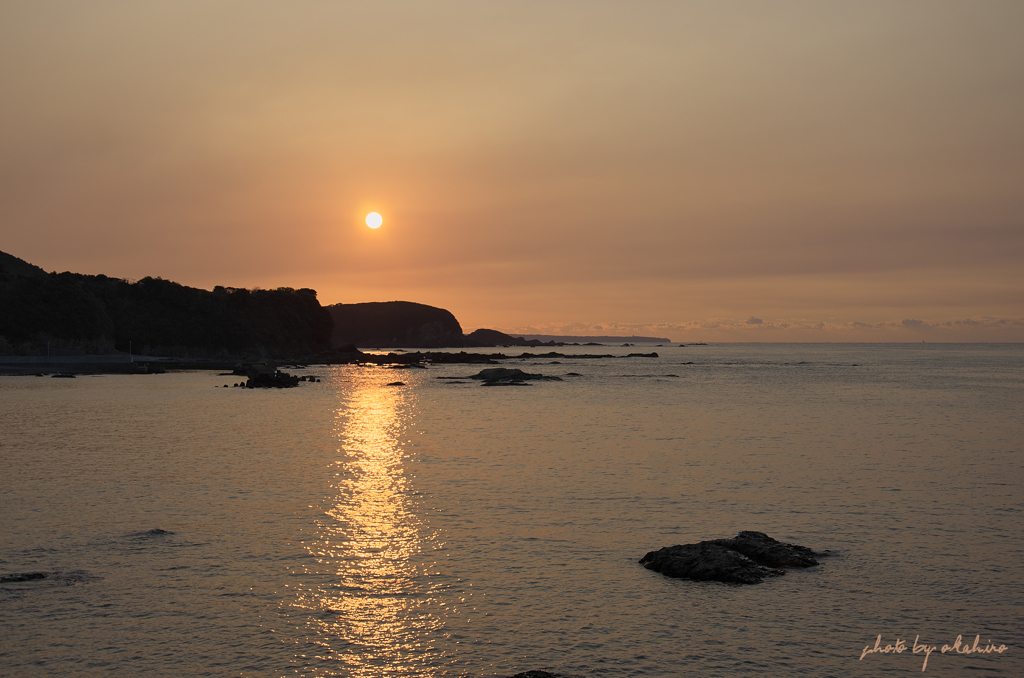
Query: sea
pixel 388 522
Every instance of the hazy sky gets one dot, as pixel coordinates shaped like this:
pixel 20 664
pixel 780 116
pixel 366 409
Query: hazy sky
pixel 820 171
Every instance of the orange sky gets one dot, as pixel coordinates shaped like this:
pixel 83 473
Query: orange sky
pixel 807 171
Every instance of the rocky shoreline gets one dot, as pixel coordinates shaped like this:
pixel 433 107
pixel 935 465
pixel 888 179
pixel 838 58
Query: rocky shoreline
pixel 348 355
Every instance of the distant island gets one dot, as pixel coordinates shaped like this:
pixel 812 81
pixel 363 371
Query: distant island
pixel 69 314
pixel 405 324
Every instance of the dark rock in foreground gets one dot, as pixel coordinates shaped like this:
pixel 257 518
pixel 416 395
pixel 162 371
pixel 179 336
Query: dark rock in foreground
pixel 769 552
pixel 747 558
pixel 707 561
pixel 265 375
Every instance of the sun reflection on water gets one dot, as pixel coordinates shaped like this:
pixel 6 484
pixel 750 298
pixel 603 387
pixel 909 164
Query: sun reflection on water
pixel 376 609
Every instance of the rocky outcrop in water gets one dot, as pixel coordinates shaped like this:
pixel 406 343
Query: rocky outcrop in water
pixel 769 552
pixel 265 374
pixel 747 558
pixel 503 376
pixel 498 376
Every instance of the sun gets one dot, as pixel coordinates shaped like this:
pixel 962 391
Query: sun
pixel 374 220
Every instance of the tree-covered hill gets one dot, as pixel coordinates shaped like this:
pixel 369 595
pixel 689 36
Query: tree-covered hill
pixel 99 314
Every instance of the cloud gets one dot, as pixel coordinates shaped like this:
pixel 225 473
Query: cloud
pixel 754 321
pixel 912 323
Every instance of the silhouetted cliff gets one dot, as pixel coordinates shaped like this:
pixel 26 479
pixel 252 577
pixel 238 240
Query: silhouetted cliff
pixel 394 324
pixel 98 314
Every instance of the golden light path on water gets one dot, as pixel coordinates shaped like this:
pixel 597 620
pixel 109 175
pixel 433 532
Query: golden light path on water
pixel 374 611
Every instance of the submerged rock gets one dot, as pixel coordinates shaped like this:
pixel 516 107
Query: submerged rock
pixel 151 532
pixel 65 578
pixel 747 558
pixel 23 576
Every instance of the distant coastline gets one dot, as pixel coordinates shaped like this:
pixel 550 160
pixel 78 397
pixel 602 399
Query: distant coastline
pixel 566 339
pixel 54 320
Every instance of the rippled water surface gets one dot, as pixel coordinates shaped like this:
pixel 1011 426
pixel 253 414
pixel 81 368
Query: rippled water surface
pixel 351 528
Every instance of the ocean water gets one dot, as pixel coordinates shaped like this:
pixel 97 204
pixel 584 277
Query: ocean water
pixel 351 528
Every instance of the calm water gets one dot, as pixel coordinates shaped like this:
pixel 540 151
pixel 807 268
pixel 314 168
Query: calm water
pixel 349 528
